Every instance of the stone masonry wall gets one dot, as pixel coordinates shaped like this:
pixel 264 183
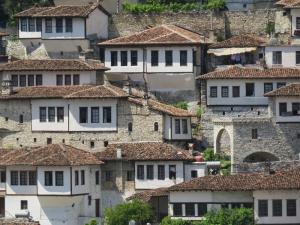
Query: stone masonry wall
pixel 14 134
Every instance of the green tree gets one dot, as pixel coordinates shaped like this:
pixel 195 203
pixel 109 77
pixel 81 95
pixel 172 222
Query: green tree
pixel 169 221
pixel 181 105
pixel 92 222
pixel 136 210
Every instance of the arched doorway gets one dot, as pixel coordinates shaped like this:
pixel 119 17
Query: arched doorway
pixel 260 157
pixel 223 143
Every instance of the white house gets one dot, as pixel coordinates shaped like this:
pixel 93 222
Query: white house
pixel 65 31
pixel 56 184
pixel 52 72
pixel 165 57
pixel 274 197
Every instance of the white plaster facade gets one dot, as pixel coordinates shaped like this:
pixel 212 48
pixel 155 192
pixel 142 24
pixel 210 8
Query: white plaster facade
pixel 171 133
pixel 288 55
pixel 290 116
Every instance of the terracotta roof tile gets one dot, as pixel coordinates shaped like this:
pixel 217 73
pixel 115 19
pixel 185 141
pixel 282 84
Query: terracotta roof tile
pixel 289 90
pixel 147 195
pixel 159 35
pixel 241 41
pixel 50 155
pixel 145 151
pixel 67 92
pixel 237 72
pixel 3 34
pixel 52 65
pixel 61 11
pixel 289 3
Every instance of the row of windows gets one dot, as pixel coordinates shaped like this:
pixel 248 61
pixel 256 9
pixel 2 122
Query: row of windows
pixel 67 79
pixel 283 109
pixel 181 126
pixel 150 172
pixel 59 178
pixel 23 178
pixel 82 177
pixel 31 24
pixel 26 80
pixel 249 87
pixel 55 114
pixel 59 25
pixel 263 207
pixel 277 57
pixel 154 58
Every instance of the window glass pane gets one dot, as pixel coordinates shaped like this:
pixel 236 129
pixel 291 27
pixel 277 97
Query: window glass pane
pixel 172 172
pixel 296 109
pixel 106 114
pixel 69 25
pixel 268 87
pixel 130 175
pixel 134 58
pixel 140 172
pixel 23 178
pixel 51 114
pixel 82 177
pixel 124 58
pixel 60 114
pixel 108 176
pixel 59 178
pixel 281 84
pixel 194 174
pixel 250 90
pixel 262 208
pixel 24 24
pixel 31 23
pixel 76 177
pixel 39 80
pixel 202 209
pixel 22 80
pixel 14 177
pixel 95 115
pixel 297 57
pixel 15 80
pixel 59 25
pixel 169 58
pixel 30 80
pixel 48 178
pixel 177 126
pixel 282 109
pixel 183 58
pixel 235 91
pixel 76 79
pixel 297 23
pixel 59 80
pixel 277 57
pixel 32 177
pixel 3 176
pixel 161 172
pixel 48 22
pixel 177 209
pixel 184 126
pixel 150 172
pixel 291 207
pixel 254 134
pixel 83 114
pixel 190 209
pixel 213 92
pixel 38 24
pixel 225 92
pixel 277 207
pixel 42 114
pixel 97 177
pixel 67 79
pixel 154 58
pixel 114 58
pixel 24 205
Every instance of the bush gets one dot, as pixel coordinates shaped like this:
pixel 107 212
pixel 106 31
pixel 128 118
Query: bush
pixel 92 222
pixel 181 105
pixel 121 214
pixel 169 221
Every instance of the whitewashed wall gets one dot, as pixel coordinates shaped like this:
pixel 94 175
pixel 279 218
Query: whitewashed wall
pixel 288 55
pixel 97 23
pixel 289 101
pixel 169 125
pixel 81 189
pixel 155 183
pixel 294 13
pixel 283 195
pixel 27 34
pixel 201 169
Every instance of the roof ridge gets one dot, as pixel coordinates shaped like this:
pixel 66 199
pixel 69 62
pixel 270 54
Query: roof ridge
pixel 63 152
pixel 176 32
pixel 76 92
pixel 111 89
pixel 46 10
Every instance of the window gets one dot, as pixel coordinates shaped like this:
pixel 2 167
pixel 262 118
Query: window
pixel 172 172
pixel 297 57
pixel 69 25
pixel 22 80
pixel 177 126
pixel 225 92
pixel 177 209
pixel 297 23
pixel 48 22
pixel 250 90
pixel 214 92
pixel 130 175
pixel 89 200
pixel 134 58
pixel 82 177
pixel 114 58
pixel 21 118
pixel 83 114
pixel 277 57
pixel 190 209
pixel 14 178
pixel 282 109
pixel 60 114
pixel 97 208
pixel 291 207
pixel 48 178
pixel 24 24
pixel 32 178
pixel 15 80
pixel 194 174
pixel 130 127
pixel 24 205
pixel 296 109
pixel 154 58
pixel 2 176
pixel 49 141
pixel 31 25
pixel 169 57
pixel 51 114
pixel 39 80
pixel 225 206
pixel 277 207
pixel 92 144
pixel 156 126
pixel 76 79
pixel 67 79
pixel 59 25
pixel 124 58
pixel 59 80
pixel 281 84
pixel 254 133
pixel 95 115
pixel 23 178
pixel 30 79
pixel 150 172
pixel 140 172
pixel 59 178
pixel 76 178
pixel 262 208
pixel 184 126
pixel 108 176
pixel 161 172
pixel 97 177
pixel 42 114
pixel 38 24
pixel 106 114
pixel 202 209
pixel 268 87
pixel 183 58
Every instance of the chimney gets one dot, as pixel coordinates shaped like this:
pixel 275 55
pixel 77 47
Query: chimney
pixel 7 88
pixel 191 148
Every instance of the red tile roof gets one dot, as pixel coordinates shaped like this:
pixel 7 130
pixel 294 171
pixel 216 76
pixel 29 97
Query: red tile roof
pixel 147 195
pixel 241 41
pixel 52 65
pixel 3 34
pixel 50 155
pixel 289 90
pixel 289 3
pixel 159 35
pixel 61 11
pixel 145 151
pixel 237 72
pixel 67 92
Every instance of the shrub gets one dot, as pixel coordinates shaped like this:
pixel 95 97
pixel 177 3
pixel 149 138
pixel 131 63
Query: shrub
pixel 121 214
pixel 215 4
pixel 169 221
pixel 181 105
pixel 92 222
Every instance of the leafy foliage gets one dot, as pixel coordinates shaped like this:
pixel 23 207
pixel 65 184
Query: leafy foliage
pixel 181 105
pixel 209 155
pixel 92 222
pixel 169 221
pixel 121 214
pixel 270 29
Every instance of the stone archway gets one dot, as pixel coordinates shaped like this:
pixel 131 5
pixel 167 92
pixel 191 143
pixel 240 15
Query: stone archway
pixel 223 143
pixel 260 157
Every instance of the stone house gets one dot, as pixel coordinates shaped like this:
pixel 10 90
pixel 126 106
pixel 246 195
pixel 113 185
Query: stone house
pixel 164 58
pixel 274 197
pixel 65 31
pixel 55 184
